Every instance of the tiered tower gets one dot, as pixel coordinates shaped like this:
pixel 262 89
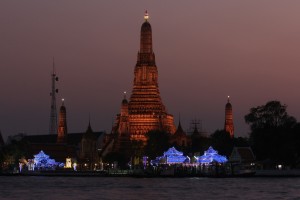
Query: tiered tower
pixel 228 127
pixel 62 126
pixel 144 111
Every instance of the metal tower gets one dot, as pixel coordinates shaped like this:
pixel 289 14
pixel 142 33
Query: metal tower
pixel 53 112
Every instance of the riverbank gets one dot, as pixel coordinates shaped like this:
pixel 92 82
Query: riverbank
pixel 278 173
pixel 145 174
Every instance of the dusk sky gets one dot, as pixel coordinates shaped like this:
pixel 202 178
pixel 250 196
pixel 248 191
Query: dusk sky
pixel 205 51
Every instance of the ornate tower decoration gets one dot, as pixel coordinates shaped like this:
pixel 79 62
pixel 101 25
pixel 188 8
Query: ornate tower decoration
pixel 228 127
pixel 144 111
pixel 53 111
pixel 62 126
pixel 124 124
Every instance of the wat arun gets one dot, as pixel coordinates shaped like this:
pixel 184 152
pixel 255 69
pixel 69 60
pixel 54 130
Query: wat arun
pixel 145 110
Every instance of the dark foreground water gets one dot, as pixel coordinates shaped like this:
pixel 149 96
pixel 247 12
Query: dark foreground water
pixel 148 188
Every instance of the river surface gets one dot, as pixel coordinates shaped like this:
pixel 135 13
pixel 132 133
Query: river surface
pixel 102 188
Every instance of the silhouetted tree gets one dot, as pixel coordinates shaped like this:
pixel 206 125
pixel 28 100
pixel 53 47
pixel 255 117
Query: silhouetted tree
pixel 221 141
pixel 136 150
pixel 241 142
pixel 273 133
pixel 158 142
pixel 15 149
pixel 272 115
pixel 200 144
pixel 120 157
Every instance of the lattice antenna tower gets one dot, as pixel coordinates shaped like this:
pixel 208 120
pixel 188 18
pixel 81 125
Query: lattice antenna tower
pixel 53 112
pixel 195 125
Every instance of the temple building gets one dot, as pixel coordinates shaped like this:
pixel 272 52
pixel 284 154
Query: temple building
pixel 145 110
pixel 228 126
pixel 180 138
pixel 89 148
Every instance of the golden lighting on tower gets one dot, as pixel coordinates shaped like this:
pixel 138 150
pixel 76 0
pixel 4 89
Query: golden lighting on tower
pixel 146 16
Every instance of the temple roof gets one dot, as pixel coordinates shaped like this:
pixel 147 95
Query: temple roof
pixel 179 131
pixel 89 133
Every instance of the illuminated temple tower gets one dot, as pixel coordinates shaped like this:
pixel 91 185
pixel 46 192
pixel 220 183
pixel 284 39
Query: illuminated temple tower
pixel 228 127
pixel 144 111
pixel 62 130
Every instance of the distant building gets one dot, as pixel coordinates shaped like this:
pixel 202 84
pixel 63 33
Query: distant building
pixel 242 155
pixel 228 126
pixel 90 146
pixel 242 161
pixel 144 111
pixel 82 148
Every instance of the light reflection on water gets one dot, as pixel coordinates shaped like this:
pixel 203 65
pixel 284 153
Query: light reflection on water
pixel 148 188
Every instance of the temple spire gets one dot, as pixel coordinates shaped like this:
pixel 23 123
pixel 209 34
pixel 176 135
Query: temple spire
pixel 144 110
pixel 179 121
pixel 146 36
pixel 179 128
pixel 62 126
pixel 228 126
pixel 89 129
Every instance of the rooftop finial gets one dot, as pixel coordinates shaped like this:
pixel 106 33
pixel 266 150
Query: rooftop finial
pixel 124 94
pixel 228 98
pixel 146 16
pixel 63 101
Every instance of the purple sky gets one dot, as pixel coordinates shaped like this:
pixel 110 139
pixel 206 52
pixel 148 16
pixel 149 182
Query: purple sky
pixel 205 50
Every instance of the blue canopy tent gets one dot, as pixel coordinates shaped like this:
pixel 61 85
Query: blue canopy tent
pixel 43 161
pixel 172 156
pixel 211 156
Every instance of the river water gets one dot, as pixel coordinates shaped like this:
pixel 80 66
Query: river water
pixel 39 187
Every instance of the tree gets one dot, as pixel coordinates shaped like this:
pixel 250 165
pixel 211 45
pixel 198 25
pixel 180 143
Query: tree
pixel 269 116
pixel 221 141
pixel 15 149
pixel 120 157
pixel 157 143
pixel 136 150
pixel 272 133
pixel 200 143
